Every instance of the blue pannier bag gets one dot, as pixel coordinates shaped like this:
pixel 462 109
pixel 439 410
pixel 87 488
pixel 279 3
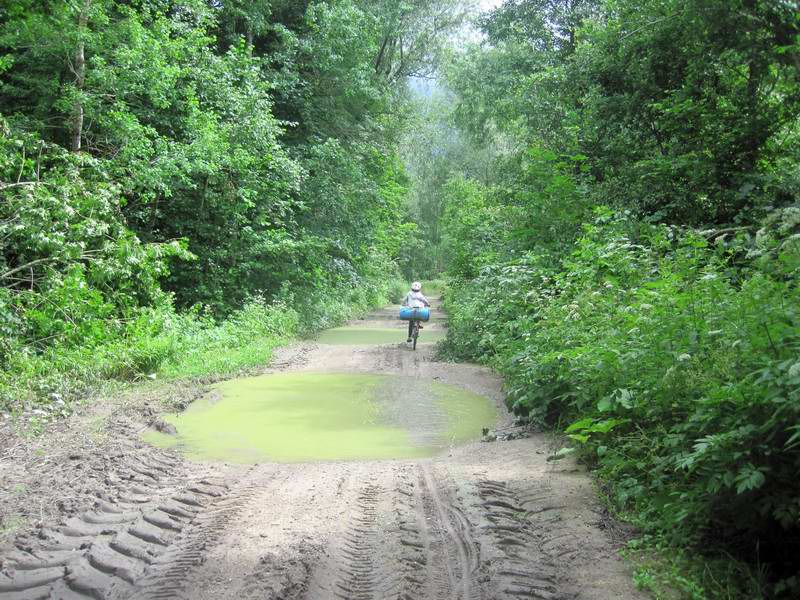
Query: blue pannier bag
pixel 422 314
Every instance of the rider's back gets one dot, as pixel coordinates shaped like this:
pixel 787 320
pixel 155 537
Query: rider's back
pixel 416 300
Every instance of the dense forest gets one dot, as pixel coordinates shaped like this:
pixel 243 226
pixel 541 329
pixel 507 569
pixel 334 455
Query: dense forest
pixel 182 180
pixel 610 188
pixel 618 211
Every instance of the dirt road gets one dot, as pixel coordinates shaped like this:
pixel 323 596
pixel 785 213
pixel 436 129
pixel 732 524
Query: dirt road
pixel 95 513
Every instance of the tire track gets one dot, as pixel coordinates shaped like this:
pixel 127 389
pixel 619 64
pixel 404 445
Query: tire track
pixel 545 514
pixel 406 540
pixel 524 570
pixel 278 578
pixel 456 549
pixel 360 577
pixel 369 559
pixel 168 575
pixel 415 560
pixel 103 552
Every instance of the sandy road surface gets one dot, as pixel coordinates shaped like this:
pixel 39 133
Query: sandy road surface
pixel 117 519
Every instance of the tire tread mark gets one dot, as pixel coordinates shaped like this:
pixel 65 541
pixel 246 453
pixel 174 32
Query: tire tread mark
pixel 357 580
pixel 415 552
pixel 168 575
pixel 366 561
pixel 459 550
pixel 30 579
pixel 105 551
pixel 525 569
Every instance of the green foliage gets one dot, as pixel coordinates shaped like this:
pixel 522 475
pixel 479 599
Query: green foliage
pixel 471 222
pixel 177 177
pixel 676 373
pixel 662 333
pixel 682 110
pixel 434 152
pixel 701 100
pixel 72 272
pixel 666 572
pixel 245 339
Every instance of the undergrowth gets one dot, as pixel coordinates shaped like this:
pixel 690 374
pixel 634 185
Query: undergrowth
pixel 672 360
pixel 161 343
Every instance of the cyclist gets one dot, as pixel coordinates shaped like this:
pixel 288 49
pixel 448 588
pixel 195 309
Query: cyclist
pixel 415 299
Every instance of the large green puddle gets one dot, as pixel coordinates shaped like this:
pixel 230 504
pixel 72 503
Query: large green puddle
pixel 362 336
pixel 301 417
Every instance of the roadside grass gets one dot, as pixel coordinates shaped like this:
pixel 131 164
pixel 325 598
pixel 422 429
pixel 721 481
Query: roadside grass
pixel 163 345
pixel 10 527
pixel 668 573
pixel 245 340
pixel 434 287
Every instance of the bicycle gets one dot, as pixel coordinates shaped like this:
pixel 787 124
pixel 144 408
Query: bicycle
pixel 414 315
pixel 416 325
pixel 414 333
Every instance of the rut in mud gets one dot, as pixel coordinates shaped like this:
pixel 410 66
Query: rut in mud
pixel 478 521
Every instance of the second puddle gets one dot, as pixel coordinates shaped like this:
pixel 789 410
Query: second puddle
pixel 363 336
pixel 302 417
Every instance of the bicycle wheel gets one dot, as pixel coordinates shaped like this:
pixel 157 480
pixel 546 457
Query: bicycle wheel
pixel 414 335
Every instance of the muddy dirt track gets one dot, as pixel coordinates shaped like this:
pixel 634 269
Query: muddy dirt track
pixel 98 514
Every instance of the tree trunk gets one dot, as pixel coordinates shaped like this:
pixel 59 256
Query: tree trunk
pixel 380 54
pixel 80 76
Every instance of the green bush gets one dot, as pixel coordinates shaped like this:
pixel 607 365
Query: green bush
pixel 160 342
pixel 245 339
pixel 674 362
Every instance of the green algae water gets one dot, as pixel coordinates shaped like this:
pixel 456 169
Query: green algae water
pixel 363 336
pixel 307 417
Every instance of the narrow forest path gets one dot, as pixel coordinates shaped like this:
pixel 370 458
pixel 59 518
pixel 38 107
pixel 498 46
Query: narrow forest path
pixel 479 521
